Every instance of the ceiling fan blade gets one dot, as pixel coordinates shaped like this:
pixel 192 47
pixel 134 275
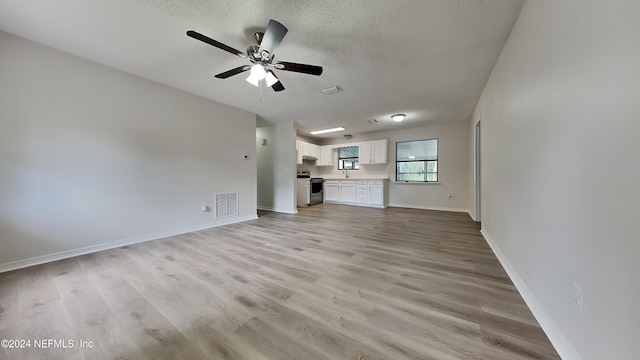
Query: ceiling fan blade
pixel 272 36
pixel 232 72
pixel 219 45
pixel 301 68
pixel 277 86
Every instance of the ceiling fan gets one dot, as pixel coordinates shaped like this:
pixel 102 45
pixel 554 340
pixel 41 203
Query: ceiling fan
pixel 261 57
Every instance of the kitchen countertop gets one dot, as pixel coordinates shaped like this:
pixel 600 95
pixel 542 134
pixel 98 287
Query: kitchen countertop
pixel 366 177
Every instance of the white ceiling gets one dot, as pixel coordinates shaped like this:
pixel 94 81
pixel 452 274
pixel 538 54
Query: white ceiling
pixel 429 59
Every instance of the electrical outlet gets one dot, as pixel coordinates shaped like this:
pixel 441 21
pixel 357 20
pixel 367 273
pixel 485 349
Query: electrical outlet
pixel 578 300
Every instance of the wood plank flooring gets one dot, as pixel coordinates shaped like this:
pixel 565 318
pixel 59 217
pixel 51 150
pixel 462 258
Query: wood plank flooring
pixel 331 282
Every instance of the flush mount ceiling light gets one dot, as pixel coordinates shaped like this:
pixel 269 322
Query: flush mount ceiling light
pixel 325 131
pixel 398 117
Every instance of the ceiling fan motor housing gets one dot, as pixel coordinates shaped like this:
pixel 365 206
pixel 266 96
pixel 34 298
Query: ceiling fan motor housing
pixel 257 57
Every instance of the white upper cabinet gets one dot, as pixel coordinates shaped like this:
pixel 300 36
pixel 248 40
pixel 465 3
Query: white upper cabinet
pixel 306 151
pixel 326 156
pixel 373 152
pixel 313 151
pixel 379 151
pixel 298 152
pixel 365 152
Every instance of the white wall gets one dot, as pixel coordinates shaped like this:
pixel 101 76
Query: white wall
pixel 560 194
pixel 453 167
pixel 277 167
pixel 90 156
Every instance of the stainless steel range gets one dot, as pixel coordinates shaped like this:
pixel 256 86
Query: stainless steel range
pixel 316 195
pixel 309 190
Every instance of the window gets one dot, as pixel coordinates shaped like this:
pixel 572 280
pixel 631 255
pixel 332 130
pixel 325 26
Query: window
pixel 417 161
pixel 349 158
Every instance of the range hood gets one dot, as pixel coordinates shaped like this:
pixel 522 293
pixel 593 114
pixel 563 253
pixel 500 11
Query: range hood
pixel 309 157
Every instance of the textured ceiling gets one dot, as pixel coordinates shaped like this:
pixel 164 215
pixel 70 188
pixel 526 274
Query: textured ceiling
pixel 429 59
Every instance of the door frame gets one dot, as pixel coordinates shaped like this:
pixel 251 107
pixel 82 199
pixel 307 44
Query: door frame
pixel 478 168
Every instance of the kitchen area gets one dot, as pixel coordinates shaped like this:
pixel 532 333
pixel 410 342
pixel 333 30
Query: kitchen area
pixel 348 173
pixel 282 150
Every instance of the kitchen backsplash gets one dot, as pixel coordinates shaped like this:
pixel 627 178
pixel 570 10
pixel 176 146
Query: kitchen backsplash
pixel 364 171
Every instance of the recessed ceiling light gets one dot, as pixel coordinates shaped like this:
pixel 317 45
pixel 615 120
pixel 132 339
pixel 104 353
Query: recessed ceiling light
pixel 318 132
pixel 398 117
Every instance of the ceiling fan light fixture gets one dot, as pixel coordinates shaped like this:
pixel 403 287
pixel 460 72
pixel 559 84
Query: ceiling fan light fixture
pixel 256 74
pixel 258 71
pixel 325 131
pixel 270 78
pixel 398 117
pixel 253 80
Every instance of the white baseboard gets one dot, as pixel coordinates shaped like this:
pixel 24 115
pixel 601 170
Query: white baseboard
pixel 438 208
pixel 557 338
pixel 269 208
pixel 19 264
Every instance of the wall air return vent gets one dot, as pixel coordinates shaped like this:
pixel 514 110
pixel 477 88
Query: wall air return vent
pixel 226 204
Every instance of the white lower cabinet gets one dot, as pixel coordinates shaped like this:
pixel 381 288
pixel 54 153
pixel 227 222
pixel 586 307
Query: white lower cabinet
pixel 340 191
pixel 376 193
pixel 331 191
pixel 362 192
pixel 356 192
pixel 303 192
pixel 347 191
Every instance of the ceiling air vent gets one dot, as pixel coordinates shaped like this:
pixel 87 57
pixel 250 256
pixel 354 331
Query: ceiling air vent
pixel 226 204
pixel 331 90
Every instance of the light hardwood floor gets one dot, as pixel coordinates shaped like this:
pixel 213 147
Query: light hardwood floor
pixel 331 282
